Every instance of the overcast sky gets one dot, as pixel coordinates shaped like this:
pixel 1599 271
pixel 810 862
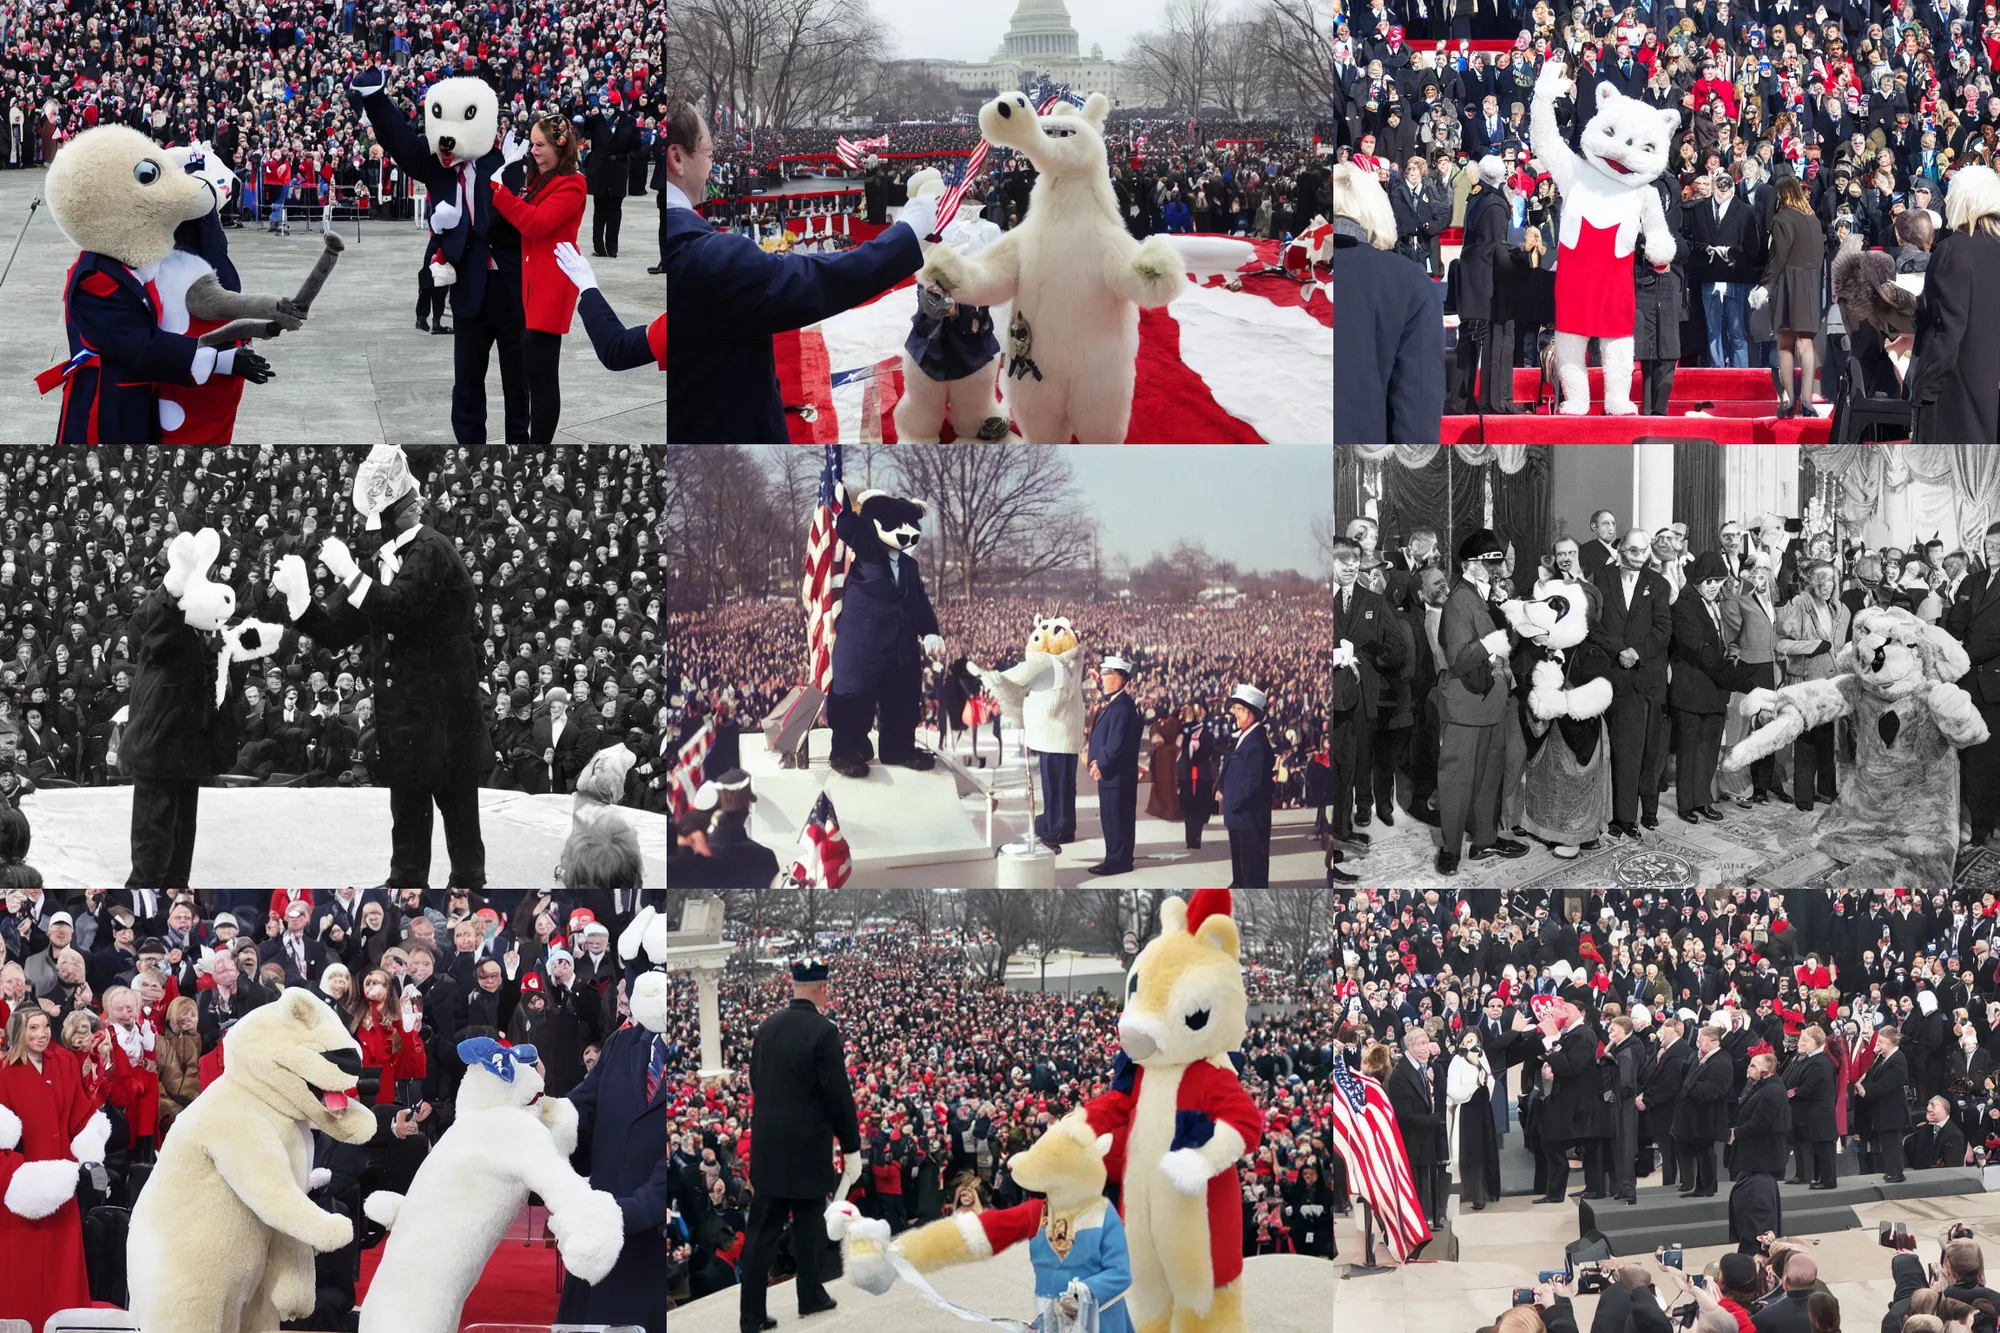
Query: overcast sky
pixel 971 30
pixel 1249 503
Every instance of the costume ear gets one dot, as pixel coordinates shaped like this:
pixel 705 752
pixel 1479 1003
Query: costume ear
pixel 1670 121
pixel 1095 108
pixel 207 546
pixel 1605 95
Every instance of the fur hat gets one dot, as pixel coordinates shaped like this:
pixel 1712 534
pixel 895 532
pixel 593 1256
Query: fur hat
pixel 1864 282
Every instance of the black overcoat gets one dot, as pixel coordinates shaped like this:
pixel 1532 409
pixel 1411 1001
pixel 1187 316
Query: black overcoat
pixel 803 1104
pixel 1763 1128
pixel 1576 1109
pixel 1702 1113
pixel 1811 1081
pixel 1388 348
pixel 1881 1087
pixel 175 731
pixel 1956 365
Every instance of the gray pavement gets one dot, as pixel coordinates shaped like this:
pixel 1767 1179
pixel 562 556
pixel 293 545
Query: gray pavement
pixel 359 372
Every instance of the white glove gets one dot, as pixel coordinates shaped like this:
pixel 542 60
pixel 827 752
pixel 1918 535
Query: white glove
pixel 920 216
pixel 1187 1171
pixel 1496 644
pixel 934 644
pixel 318 1178
pixel 443 274
pixel 512 149
pixel 575 267
pixel 446 216
pixel 411 1018
pixel 289 579
pixel 333 554
pixel 1761 701
pixel 1343 655
pixel 1759 297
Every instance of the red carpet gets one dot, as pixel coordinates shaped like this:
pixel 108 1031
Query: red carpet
pixel 521 1284
pixel 1633 430
pixel 1694 384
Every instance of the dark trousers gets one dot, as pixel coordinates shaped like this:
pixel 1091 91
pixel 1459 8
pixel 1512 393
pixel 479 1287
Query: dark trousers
pixel 1344 751
pixel 1697 1164
pixel 1635 757
pixel 1379 784
pixel 163 822
pixel 606 211
pixel 1697 746
pixel 1889 1151
pixel 1818 1162
pixel 1656 387
pixel 1764 772
pixel 1056 821
pixel 410 836
pixel 1195 799
pixel 1469 785
pixel 541 365
pixel 1118 814
pixel 430 296
pixel 1250 858
pixel 1979 774
pixel 663 227
pixel 1420 758
pixel 1670 1159
pixel 1487 348
pixel 1555 1157
pixel 473 339
pixel 767 1221
pixel 1813 767
pixel 1364 761
pixel 1431 1189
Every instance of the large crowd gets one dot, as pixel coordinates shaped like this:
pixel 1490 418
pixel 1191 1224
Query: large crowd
pixel 738 661
pixel 265 83
pixel 1871 112
pixel 562 549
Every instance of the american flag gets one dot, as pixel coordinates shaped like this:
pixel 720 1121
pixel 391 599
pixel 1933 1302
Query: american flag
pixel 687 775
pixel 1045 96
pixel 1366 1136
pixel 824 862
pixel 851 151
pixel 826 574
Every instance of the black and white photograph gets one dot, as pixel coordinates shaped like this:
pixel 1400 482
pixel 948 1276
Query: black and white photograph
pixel 1669 665
pixel 999 665
pixel 331 665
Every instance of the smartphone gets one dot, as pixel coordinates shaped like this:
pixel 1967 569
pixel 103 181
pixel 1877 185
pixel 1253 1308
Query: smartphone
pixel 1552 1275
pixel 1524 1295
pixel 1701 1280
pixel 1670 1256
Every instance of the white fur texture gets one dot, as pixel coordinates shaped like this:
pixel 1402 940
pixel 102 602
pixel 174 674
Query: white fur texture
pixel 465 111
pixel 1071 270
pixel 1044 692
pixel 179 271
pixel 268 638
pixel 88 1145
pixel 382 1208
pixel 96 195
pixel 291 582
pixel 1187 1171
pixel 970 399
pixel 10 1130
pixel 559 1115
pixel 40 1188
pixel 206 165
pixel 469 1189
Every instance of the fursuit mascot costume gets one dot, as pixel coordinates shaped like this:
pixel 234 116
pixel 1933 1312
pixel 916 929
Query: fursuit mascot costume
pixel 457 157
pixel 621 1110
pixel 417 613
pixel 223 1236
pixel 181 726
pixel 1043 695
pixel 1569 692
pixel 1076 1239
pixel 1074 274
pixel 1179 1120
pixel 1895 822
pixel 131 298
pixel 506 1142
pixel 886 628
pixel 951 358
pixel 1608 203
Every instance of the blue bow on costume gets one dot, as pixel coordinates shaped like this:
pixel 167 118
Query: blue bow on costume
pixel 498 1059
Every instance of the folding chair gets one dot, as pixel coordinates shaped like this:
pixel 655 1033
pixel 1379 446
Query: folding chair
pixel 91 1321
pixel 1855 414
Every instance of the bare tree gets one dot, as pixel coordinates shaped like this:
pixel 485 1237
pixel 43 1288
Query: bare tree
pixel 1242 67
pixel 1009 916
pixel 1293 925
pixel 721 525
pixel 777 62
pixel 1006 514
pixel 1323 533
pixel 795 494
pixel 1177 65
pixel 1297 36
pixel 1054 915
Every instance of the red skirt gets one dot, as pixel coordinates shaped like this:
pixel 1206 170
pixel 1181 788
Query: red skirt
pixel 1594 295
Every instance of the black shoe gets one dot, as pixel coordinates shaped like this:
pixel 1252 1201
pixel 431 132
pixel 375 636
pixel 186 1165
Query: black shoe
pixel 1649 821
pixel 1486 853
pixel 1447 863
pixel 829 1303
pixel 1760 798
pixel 441 327
pixel 766 1324
pixel 1892 1180
pixel 1362 818
pixel 1519 832
pixel 1055 847
pixel 1590 846
pixel 922 761
pixel 423 325
pixel 1106 868
pixel 1687 1194
pixel 1778 793
pixel 1427 815
pixel 1710 813
pixel 1704 1194
pixel 1358 839
pixel 1688 817
pixel 1478 1207
pixel 1588 1195
pixel 1510 849
pixel 1821 1185
pixel 595 253
pixel 1334 876
pixel 1797 1182
pixel 1551 1200
pixel 657 269
pixel 1618 830
pixel 1387 814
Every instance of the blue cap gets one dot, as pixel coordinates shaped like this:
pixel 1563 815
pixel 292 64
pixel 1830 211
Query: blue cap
pixel 809 969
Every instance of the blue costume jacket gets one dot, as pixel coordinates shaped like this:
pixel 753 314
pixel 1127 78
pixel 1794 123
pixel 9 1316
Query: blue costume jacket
pixel 119 352
pixel 1246 783
pixel 1097 1258
pixel 1114 742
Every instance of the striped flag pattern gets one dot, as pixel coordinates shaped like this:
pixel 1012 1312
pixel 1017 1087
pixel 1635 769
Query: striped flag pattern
pixel 1378 1166
pixel 826 574
pixel 687 775
pixel 851 151
pixel 824 861
pixel 948 205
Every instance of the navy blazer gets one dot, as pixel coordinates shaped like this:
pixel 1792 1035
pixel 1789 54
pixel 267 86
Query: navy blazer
pixel 113 399
pixel 1114 742
pixel 728 297
pixel 482 233
pixel 1246 782
pixel 881 618
pixel 618 347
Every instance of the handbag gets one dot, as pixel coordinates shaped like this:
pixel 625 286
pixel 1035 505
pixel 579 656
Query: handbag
pixel 1758 325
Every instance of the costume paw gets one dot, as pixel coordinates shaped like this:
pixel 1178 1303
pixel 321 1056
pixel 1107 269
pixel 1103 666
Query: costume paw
pixel 559 1114
pixel 446 216
pixel 318 1178
pixel 513 148
pixel 866 1256
pixel 10 1130
pixel 40 1188
pixel 944 269
pixel 88 1145
pixel 1574 407
pixel 1187 1171
pixel 329 1232
pixel 1759 297
pixel 382 1208
pixel 1553 81
pixel 933 644
pixel 1616 409
pixel 368 81
pixel 443 274
pixel 590 1233
pixel 1761 700
pixel 286 314
pixel 296 1291
pixel 334 555
pixel 1497 644
pixel 1159 267
pixel 289 580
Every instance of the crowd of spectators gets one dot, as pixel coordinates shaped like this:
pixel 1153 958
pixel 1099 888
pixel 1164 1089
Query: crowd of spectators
pixel 265 82
pixel 562 547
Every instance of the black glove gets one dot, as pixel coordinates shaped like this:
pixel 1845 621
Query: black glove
pixel 252 367
pixel 368 81
pixel 1821 647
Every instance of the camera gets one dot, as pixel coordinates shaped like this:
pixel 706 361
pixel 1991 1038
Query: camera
pixel 1552 1275
pixel 1958 1231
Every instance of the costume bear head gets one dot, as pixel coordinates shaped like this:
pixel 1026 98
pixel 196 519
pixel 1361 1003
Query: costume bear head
pixel 1558 617
pixel 1054 636
pixel 461 119
pixel 898 523
pixel 114 191
pixel 1896 655
pixel 1627 139
pixel 1065 144
pixel 285 1052
pixel 648 935
pixel 1066 1163
pixel 497 1075
pixel 1184 998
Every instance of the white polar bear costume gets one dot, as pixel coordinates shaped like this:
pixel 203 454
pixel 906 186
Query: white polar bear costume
pixel 1075 276
pixel 975 409
pixel 507 1142
pixel 1610 188
pixel 1043 692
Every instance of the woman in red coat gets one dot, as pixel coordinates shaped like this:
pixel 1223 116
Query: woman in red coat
pixel 387 1033
pixel 546 214
pixel 43 1118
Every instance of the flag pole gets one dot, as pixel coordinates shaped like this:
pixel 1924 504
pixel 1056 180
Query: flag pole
pixel 1367 1268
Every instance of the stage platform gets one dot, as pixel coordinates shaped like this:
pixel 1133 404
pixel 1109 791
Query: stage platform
pixel 1727 406
pixel 306 837
pixel 1663 1217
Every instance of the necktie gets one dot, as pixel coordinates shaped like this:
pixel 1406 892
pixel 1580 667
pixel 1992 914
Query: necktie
pixel 465 193
pixel 656 1068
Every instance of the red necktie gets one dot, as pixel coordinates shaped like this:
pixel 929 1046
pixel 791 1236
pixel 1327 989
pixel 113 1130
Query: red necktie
pixel 465 191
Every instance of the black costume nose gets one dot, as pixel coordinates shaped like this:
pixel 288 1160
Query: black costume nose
pixel 1006 110
pixel 1881 656
pixel 446 142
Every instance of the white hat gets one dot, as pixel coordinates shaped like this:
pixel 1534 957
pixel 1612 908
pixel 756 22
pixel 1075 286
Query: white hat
pixel 225 919
pixel 596 928
pixel 1113 662
pixel 382 479
pixel 706 796
pixel 1249 694
pixel 1492 170
pixel 61 919
pixel 1641 1014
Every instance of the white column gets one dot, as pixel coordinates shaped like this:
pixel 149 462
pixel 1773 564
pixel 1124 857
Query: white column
pixel 1652 486
pixel 705 980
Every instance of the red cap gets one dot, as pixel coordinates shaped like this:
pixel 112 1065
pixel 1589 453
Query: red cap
pixel 531 984
pixel 1204 904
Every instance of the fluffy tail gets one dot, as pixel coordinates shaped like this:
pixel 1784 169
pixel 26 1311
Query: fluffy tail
pixel 382 1208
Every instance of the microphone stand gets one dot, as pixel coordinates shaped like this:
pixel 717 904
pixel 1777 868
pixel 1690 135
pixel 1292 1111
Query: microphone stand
pixel 33 204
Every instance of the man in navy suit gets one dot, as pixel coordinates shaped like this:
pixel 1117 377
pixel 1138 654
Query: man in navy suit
pixel 1114 767
pixel 1636 630
pixel 727 297
pixel 482 246
pixel 1246 792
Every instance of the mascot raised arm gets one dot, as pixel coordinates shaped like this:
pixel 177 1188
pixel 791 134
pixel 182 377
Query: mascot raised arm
pixel 1569 785
pixel 1608 203
pixel 1895 822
